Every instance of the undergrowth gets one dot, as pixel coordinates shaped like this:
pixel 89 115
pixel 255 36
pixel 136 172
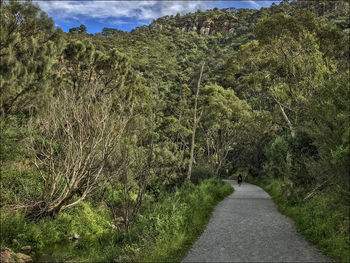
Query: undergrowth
pixel 164 231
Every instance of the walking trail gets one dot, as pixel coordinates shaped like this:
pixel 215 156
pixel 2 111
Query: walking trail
pixel 246 227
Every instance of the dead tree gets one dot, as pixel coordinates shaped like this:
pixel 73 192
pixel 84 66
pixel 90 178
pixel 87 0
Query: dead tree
pixel 195 123
pixel 71 144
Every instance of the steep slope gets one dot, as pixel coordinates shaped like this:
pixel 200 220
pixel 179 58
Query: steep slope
pixel 242 21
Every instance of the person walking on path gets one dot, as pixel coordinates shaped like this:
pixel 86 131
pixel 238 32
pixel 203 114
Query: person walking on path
pixel 239 179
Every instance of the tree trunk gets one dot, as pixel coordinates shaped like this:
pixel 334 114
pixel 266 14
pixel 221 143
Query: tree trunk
pixel 292 133
pixel 195 122
pixel 218 169
pixel 291 127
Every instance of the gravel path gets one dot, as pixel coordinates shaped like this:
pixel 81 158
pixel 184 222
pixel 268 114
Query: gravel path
pixel 246 227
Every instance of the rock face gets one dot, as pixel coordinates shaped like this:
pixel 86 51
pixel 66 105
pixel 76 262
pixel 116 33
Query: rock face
pixel 201 23
pixel 8 256
pixel 212 30
pixel 204 31
pixel 216 22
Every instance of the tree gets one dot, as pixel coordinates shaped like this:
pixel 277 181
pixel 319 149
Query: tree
pixel 196 120
pixel 75 138
pixel 110 31
pixel 82 29
pixel 129 171
pixel 292 72
pixel 71 145
pixel 29 47
pixel 285 67
pixel 225 122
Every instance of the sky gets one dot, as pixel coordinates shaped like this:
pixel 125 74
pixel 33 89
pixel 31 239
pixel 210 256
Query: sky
pixel 127 15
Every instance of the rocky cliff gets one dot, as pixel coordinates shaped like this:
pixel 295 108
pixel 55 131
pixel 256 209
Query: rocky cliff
pixel 240 21
pixel 211 22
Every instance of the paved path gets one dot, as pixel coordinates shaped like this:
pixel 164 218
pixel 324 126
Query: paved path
pixel 246 227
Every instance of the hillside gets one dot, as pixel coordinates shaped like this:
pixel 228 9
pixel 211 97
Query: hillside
pixel 119 140
pixel 243 21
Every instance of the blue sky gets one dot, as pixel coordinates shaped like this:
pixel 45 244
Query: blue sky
pixel 126 15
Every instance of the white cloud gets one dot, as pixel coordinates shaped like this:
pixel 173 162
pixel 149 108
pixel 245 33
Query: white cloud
pixel 138 10
pixel 117 22
pixel 254 4
pixel 258 4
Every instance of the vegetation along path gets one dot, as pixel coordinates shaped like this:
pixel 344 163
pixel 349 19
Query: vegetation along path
pixel 246 227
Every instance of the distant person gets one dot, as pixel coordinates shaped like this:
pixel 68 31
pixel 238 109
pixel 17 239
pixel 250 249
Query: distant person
pixel 239 179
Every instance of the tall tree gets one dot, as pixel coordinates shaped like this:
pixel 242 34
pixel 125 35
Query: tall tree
pixel 75 138
pixel 196 119
pixel 29 49
pixel 225 122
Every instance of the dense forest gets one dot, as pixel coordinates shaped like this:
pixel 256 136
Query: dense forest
pixel 119 140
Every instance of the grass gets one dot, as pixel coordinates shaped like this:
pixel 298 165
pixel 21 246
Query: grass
pixel 323 220
pixel 164 231
pixel 188 220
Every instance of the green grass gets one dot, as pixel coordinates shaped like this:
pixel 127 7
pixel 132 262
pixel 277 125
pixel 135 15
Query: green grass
pixel 323 220
pixel 188 219
pixel 164 231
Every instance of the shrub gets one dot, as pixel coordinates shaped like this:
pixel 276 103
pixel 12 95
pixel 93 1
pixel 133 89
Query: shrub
pixel 84 220
pixel 164 231
pixel 201 172
pixel 277 165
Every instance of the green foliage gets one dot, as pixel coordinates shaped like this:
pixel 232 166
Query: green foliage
pixel 19 183
pixel 342 153
pixel 164 231
pixel 201 172
pixel 286 158
pixel 19 180
pixel 289 73
pixel 84 220
pixel 10 133
pixel 274 99
pixel 29 48
pixel 277 165
pixel 79 30
pixel 181 218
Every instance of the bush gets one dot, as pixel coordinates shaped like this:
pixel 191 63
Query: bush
pixel 11 133
pixel 16 226
pixel 201 172
pixel 83 219
pixel 164 231
pixel 19 183
pixel 277 165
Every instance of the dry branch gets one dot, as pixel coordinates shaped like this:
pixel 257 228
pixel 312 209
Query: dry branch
pixel 317 190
